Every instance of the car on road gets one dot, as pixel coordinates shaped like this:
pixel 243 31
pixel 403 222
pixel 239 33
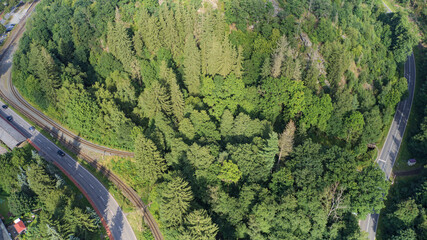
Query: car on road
pixel 32 129
pixel 4 106
pixel 61 153
pixel 9 118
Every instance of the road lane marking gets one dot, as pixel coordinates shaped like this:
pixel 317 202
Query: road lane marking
pixel 80 175
pixel 49 148
pixel 102 198
pixel 379 159
pixel 91 186
pixel 367 225
pixel 69 164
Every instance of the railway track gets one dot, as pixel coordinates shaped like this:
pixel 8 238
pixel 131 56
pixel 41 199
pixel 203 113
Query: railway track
pixel 55 127
pixel 127 191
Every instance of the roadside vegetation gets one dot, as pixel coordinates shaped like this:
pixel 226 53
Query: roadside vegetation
pixel 405 218
pixel 244 124
pixel 51 206
pixel 418 13
pixel 414 143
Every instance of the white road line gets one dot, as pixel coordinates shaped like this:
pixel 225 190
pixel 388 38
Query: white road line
pixel 69 164
pixel 112 214
pixel 80 175
pixel 91 186
pixel 379 159
pixel 49 148
pixel 101 198
pixel 38 140
pixel 367 225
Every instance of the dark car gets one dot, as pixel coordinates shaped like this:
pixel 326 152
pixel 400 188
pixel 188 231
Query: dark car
pixel 9 118
pixel 61 153
pixel 4 106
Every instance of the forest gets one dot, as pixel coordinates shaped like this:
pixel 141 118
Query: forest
pixel 40 195
pixel 406 211
pixel 248 120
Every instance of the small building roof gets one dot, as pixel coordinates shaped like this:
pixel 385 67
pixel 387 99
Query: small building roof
pixel 19 226
pixel 9 135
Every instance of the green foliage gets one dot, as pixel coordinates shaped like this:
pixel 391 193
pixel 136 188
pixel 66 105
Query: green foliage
pixel 38 188
pixel 354 124
pixel 176 199
pixel 230 172
pixel 148 160
pixel 405 213
pixel 2 28
pixel 404 36
pixel 199 226
pixel 282 96
pixel 221 100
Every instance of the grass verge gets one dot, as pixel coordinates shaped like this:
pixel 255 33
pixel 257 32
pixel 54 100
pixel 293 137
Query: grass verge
pixel 124 203
pixel 414 121
pixel 4 207
pixel 390 5
pixel 133 215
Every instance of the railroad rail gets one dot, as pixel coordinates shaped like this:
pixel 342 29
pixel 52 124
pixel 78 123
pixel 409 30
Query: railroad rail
pixel 55 126
pixel 127 191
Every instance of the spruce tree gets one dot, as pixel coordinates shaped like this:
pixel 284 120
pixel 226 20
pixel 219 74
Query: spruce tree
pixel 199 226
pixel 191 66
pixel 149 162
pixel 176 200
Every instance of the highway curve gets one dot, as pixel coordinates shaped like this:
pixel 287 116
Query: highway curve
pixel 88 184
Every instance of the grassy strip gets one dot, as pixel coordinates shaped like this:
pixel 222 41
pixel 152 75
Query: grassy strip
pixel 414 121
pixel 135 219
pixel 389 5
pixel 134 216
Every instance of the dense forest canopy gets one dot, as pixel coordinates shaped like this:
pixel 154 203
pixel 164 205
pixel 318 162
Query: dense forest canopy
pixel 40 195
pixel 248 119
pixel 406 211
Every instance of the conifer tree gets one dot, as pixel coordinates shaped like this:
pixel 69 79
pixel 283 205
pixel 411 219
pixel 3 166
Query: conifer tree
pixel 153 100
pixel 150 164
pixel 279 56
pixel 270 150
pixel 191 65
pixel 120 45
pixel 148 29
pixel 286 140
pixel 199 226
pixel 177 99
pixel 176 200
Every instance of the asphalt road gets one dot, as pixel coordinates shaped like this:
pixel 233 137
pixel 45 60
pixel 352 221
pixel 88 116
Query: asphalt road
pixel 98 194
pixel 390 150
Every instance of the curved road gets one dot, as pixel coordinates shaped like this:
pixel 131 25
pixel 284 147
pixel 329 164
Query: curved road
pixel 103 202
pixel 390 150
pixel 106 206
